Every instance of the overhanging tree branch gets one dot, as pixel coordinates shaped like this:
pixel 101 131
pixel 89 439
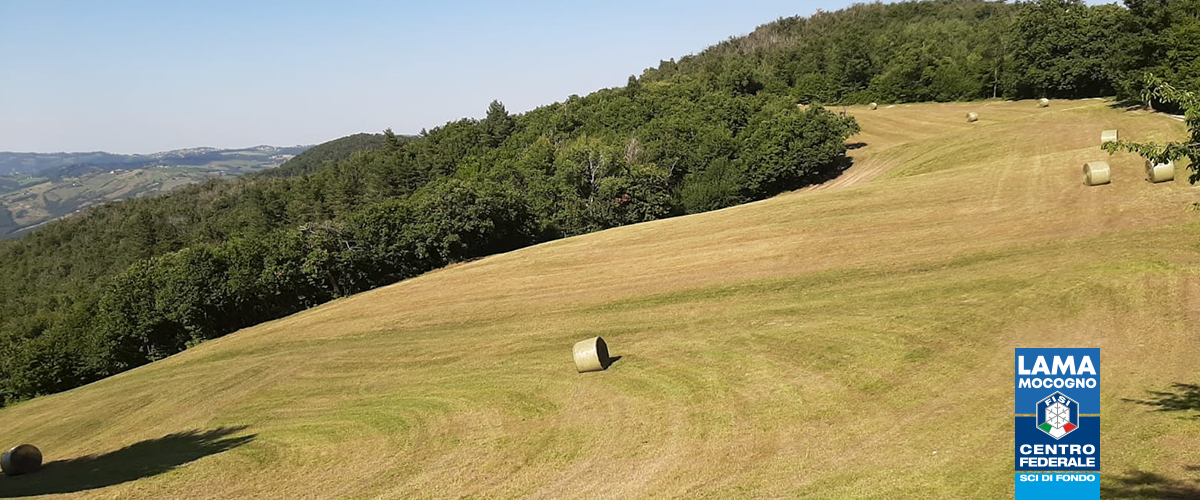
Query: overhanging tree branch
pixel 1164 152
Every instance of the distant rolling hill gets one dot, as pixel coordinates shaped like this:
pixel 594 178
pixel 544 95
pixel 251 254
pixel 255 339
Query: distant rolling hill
pixel 12 164
pixel 36 188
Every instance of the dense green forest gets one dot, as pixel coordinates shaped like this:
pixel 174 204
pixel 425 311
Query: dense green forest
pixel 326 154
pixel 127 283
pixel 959 50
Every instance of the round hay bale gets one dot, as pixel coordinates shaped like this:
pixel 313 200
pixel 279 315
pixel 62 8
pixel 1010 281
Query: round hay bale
pixel 23 459
pixel 1108 136
pixel 1043 103
pixel 591 355
pixel 972 117
pixel 1160 172
pixel 1096 173
pixel 874 106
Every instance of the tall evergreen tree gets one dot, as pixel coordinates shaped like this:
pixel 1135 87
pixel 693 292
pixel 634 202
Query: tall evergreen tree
pixel 498 124
pixel 391 143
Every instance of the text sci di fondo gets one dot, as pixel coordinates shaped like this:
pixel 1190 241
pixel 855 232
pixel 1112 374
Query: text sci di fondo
pixel 1053 374
pixel 1086 478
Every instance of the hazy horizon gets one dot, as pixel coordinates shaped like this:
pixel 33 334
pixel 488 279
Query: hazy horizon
pixel 143 77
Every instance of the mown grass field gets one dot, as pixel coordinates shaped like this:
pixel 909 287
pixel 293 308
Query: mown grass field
pixel 852 340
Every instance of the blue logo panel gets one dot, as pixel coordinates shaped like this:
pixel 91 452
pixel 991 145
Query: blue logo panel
pixel 1056 426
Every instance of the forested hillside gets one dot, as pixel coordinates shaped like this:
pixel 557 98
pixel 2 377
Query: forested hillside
pixel 328 153
pixel 130 282
pixel 960 50
pixel 135 281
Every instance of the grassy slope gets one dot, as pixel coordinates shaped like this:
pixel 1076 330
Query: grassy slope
pixel 820 344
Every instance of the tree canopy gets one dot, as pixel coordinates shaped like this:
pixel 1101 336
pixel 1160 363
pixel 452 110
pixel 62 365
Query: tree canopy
pixel 1166 152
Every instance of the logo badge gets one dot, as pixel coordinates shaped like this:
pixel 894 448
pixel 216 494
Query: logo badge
pixel 1058 415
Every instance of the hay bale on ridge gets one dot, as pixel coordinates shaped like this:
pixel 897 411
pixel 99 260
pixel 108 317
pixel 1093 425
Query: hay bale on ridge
pixel 1160 172
pixel 1096 173
pixel 21 459
pixel 1108 136
pixel 1043 103
pixel 591 355
pixel 972 117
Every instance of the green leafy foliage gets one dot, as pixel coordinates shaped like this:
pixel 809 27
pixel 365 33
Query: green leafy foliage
pixel 944 50
pixel 784 147
pixel 1164 152
pixel 331 152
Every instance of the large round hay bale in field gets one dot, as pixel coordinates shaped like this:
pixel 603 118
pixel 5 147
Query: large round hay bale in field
pixel 591 355
pixel 1160 172
pixel 874 106
pixel 1108 136
pixel 22 459
pixel 1096 173
pixel 972 117
pixel 1043 103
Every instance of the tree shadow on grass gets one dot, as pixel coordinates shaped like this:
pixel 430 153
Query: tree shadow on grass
pixel 1155 106
pixel 1128 104
pixel 136 461
pixel 1148 485
pixel 1181 397
pixel 835 169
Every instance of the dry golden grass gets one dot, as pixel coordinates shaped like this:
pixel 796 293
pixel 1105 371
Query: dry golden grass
pixel 820 344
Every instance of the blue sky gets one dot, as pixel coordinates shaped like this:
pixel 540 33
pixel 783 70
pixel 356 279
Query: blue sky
pixel 145 76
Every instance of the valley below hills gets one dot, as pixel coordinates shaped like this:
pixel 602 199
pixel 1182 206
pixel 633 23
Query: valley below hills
pixel 36 188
